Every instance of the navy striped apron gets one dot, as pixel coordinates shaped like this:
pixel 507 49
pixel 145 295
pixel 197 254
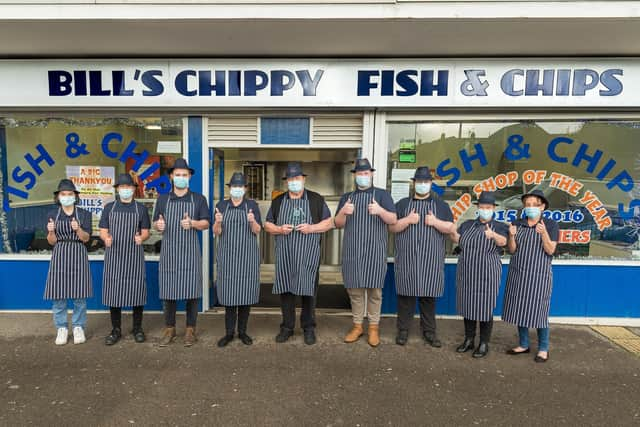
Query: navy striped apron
pixel 124 278
pixel 527 295
pixel 180 269
pixel 69 273
pixel 238 258
pixel 419 261
pixel 478 273
pixel 297 254
pixel 364 245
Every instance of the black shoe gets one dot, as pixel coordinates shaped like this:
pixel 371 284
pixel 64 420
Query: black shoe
pixel 246 339
pixel 512 352
pixel 465 346
pixel 309 337
pixel 402 337
pixel 284 335
pixel 222 342
pixel 432 340
pixel 539 359
pixel 113 337
pixel 481 351
pixel 138 336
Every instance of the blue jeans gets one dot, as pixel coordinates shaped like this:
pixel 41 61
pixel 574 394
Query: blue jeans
pixel 78 318
pixel 543 338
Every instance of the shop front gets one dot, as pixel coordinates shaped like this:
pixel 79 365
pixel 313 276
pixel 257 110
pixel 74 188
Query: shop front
pixel 569 128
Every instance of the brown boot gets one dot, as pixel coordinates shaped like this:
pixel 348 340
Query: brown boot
pixel 354 334
pixel 374 335
pixel 168 335
pixel 190 336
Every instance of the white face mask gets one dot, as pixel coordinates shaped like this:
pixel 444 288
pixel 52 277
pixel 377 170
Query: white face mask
pixel 67 200
pixel 125 193
pixel 423 187
pixel 295 186
pixel 181 182
pixel 236 192
pixel 363 181
pixel 485 214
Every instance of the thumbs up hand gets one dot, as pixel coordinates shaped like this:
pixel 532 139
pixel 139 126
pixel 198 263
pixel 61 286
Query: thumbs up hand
pixel 374 207
pixel 250 217
pixel 414 217
pixel 51 226
pixel 74 225
pixel 137 238
pixel 541 228
pixel 348 207
pixel 161 224
pixel 218 216
pixel 430 219
pixel 513 230
pixel 186 221
pixel 488 232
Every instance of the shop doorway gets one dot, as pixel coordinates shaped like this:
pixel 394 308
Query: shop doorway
pixel 328 173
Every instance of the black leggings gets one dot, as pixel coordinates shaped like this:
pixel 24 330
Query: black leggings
pixel 116 317
pixel 239 313
pixel 485 330
pixel 170 307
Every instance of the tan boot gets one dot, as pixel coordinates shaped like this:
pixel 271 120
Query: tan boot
pixel 374 335
pixel 354 334
pixel 168 335
pixel 190 336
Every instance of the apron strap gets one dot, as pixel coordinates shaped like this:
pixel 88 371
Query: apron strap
pixel 115 204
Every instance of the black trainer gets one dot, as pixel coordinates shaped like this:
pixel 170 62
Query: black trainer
pixel 225 340
pixel 309 337
pixel 402 337
pixel 246 339
pixel 481 351
pixel 139 336
pixel 466 345
pixel 284 335
pixel 432 340
pixel 113 337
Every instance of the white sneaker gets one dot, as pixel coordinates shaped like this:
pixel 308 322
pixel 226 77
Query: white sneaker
pixel 78 335
pixel 63 336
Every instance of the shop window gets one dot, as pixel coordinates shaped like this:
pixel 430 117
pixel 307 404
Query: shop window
pixel 588 169
pixel 35 153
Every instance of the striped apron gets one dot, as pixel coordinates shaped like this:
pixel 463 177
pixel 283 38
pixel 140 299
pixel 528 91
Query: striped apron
pixel 419 262
pixel 124 279
pixel 527 295
pixel 297 254
pixel 69 273
pixel 364 245
pixel 238 258
pixel 180 268
pixel 478 274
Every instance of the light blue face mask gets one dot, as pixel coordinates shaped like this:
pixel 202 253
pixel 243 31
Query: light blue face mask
pixel 532 212
pixel 181 182
pixel 485 214
pixel 125 193
pixel 236 192
pixel 295 186
pixel 363 181
pixel 423 187
pixel 67 200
